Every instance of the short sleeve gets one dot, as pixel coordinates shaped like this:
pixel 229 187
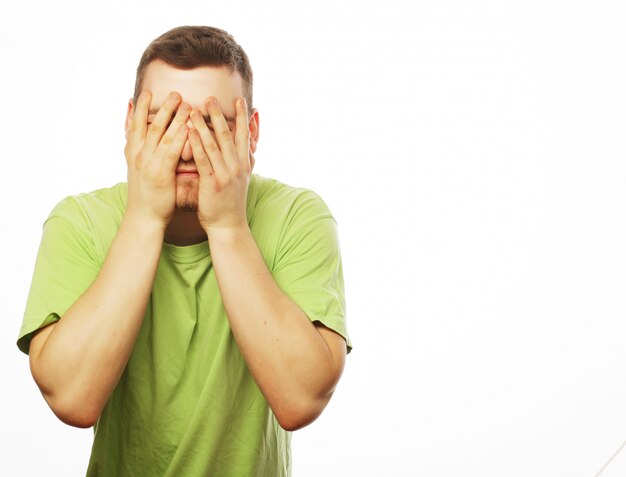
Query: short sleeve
pixel 308 265
pixel 66 266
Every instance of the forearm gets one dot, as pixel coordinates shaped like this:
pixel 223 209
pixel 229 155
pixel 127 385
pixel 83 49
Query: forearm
pixel 85 354
pixel 289 359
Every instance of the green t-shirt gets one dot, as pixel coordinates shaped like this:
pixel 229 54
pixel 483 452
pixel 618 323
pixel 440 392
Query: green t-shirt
pixel 186 404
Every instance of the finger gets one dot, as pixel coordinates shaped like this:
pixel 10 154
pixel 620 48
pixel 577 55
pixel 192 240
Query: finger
pixel 200 157
pixel 242 132
pixel 222 132
pixel 139 123
pixel 161 120
pixel 209 144
pixel 182 115
pixel 175 149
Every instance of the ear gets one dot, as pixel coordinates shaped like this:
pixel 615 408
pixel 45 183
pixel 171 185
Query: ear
pixel 253 126
pixel 130 113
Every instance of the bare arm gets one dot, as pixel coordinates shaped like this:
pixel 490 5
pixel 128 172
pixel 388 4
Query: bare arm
pixel 78 361
pixel 296 364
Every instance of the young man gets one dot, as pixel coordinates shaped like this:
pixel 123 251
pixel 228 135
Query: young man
pixel 194 315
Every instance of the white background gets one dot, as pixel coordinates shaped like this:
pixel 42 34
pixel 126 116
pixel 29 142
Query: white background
pixel 473 155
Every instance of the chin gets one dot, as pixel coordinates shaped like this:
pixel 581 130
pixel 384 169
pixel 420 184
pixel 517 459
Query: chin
pixel 187 197
pixel 186 207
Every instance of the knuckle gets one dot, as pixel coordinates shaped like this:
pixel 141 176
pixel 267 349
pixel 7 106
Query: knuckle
pixel 154 128
pixel 212 147
pixel 225 134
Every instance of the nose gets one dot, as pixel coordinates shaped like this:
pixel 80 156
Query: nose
pixel 187 154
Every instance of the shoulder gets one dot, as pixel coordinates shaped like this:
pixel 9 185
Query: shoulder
pixel 92 217
pixel 91 204
pixel 289 222
pixel 275 199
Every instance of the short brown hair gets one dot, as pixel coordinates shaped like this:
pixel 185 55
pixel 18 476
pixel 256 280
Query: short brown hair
pixel 189 47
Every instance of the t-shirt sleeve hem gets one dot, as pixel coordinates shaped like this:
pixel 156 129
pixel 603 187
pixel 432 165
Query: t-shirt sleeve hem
pixel 29 327
pixel 336 324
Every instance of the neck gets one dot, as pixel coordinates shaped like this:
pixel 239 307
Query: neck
pixel 184 229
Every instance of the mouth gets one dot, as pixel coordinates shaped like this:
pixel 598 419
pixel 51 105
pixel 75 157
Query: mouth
pixel 187 172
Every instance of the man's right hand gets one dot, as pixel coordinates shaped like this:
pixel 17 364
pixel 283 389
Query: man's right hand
pixel 152 154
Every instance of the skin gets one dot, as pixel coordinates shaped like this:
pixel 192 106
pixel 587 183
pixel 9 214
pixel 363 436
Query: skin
pixel 78 360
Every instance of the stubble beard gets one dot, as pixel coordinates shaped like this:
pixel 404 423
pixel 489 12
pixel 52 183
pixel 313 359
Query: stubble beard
pixel 187 194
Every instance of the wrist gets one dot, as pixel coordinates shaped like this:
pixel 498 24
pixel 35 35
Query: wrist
pixel 144 226
pixel 232 234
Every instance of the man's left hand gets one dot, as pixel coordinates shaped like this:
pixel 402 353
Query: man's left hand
pixel 224 166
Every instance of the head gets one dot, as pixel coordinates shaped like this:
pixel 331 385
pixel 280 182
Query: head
pixel 197 62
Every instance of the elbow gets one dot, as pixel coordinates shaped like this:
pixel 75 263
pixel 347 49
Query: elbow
pixel 295 421
pixel 72 412
pixel 77 418
pixel 295 416
pixel 304 405
pixel 69 406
